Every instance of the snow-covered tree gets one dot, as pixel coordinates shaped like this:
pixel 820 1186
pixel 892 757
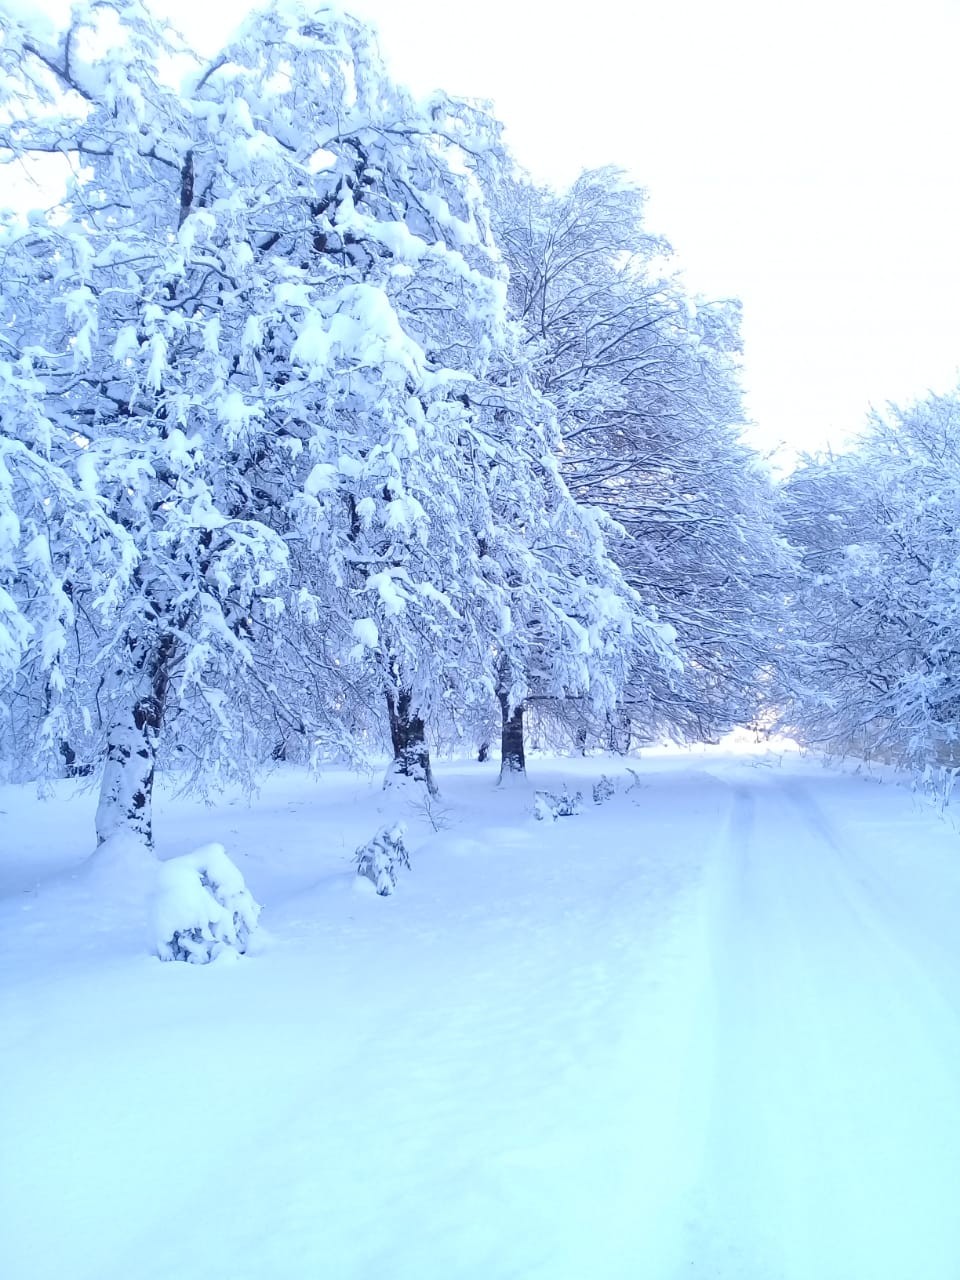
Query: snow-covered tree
pixel 877 600
pixel 433 508
pixel 269 323
pixel 380 859
pixel 135 299
pixel 645 382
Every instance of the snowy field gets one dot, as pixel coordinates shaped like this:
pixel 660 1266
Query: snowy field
pixel 709 1029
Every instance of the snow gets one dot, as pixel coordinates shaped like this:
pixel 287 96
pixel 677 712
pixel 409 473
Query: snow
pixel 202 910
pixel 391 598
pixel 708 1028
pixel 366 633
pixel 322 478
pixel 380 859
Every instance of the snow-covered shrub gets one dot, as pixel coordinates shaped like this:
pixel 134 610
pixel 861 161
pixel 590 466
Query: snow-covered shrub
pixel 603 789
pixel 381 858
pixel 202 907
pixel 549 805
pixel 542 809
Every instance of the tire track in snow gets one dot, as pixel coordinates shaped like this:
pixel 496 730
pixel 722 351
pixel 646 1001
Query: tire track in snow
pixel 897 909
pixel 831 1147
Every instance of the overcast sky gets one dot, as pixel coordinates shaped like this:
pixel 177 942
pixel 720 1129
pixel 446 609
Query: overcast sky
pixel 803 158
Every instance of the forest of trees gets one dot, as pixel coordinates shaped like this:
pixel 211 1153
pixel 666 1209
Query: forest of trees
pixel 324 430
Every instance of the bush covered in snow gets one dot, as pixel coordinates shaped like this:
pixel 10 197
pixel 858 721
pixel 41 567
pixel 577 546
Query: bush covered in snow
pixel 381 858
pixel 548 805
pixel 202 907
pixel 603 789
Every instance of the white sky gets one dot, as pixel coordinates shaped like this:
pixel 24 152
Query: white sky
pixel 803 158
pixel 800 157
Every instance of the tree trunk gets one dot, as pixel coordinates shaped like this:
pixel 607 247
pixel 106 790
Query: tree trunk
pixel 618 733
pixel 411 755
pixel 513 762
pixel 72 769
pixel 126 789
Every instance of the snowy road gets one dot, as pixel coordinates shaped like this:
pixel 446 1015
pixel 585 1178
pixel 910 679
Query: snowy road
pixel 708 1030
pixel 832 1144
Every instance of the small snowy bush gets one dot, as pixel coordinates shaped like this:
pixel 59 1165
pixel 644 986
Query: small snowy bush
pixel 547 805
pixel 202 907
pixel 381 858
pixel 603 789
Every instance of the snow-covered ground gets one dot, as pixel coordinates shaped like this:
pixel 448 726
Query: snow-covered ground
pixel 709 1029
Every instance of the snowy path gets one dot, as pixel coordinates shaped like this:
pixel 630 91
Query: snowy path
pixel 835 1114
pixel 709 1030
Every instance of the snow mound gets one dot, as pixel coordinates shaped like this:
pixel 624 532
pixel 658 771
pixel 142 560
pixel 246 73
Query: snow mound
pixel 381 858
pixel 122 866
pixel 203 907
